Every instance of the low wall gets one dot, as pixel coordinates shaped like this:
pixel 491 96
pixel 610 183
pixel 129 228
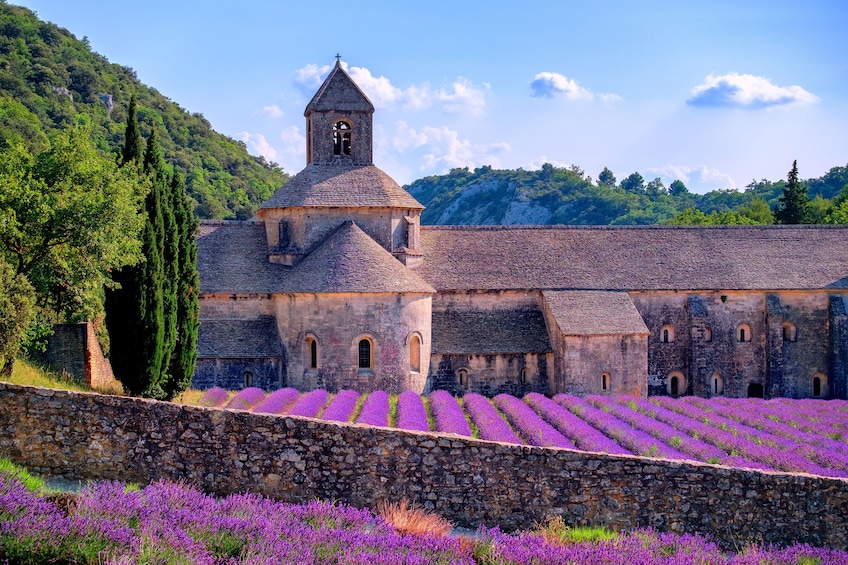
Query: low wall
pixel 90 436
pixel 74 349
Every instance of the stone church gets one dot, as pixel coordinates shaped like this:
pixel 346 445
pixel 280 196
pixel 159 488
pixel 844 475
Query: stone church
pixel 336 284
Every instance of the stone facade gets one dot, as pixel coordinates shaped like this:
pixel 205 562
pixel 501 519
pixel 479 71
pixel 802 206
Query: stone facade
pixel 468 481
pixel 338 258
pixel 74 349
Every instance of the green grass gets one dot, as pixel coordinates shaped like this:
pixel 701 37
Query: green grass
pixel 30 482
pixel 557 531
pixel 27 373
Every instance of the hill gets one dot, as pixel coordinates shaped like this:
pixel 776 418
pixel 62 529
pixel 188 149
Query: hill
pixel 553 195
pixel 49 79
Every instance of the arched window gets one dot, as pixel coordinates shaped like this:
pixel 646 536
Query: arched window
pixel 667 333
pixel 819 383
pixel 755 390
pixel 605 381
pixel 523 377
pixel 708 333
pixel 463 377
pixel 248 379
pixel 790 332
pixel 717 385
pixel 743 333
pixel 676 383
pixel 365 357
pixel 341 138
pixel 311 352
pixel 415 354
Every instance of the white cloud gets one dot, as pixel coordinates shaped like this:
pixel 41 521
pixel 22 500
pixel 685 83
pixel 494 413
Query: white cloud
pixel 700 178
pixel 550 85
pixel 273 111
pixel 310 77
pixel 610 98
pixel 442 149
pixel 294 143
pixel 464 97
pixel 258 145
pixel 536 164
pixel 749 92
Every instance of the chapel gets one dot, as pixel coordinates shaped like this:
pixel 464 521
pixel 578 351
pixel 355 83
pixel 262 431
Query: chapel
pixel 335 284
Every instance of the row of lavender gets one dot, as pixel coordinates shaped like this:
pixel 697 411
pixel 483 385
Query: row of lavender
pixel 784 435
pixel 174 523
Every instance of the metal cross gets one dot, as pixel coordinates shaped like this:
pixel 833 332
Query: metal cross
pixel 338 57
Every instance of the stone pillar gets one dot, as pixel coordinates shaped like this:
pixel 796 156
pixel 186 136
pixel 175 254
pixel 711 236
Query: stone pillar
pixel 838 347
pixel 699 368
pixel 774 386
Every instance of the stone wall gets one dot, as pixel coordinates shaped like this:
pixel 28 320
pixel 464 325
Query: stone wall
pixel 74 349
pixel 89 436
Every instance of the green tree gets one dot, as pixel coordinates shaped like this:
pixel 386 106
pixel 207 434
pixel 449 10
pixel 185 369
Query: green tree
pixel 677 188
pixel 133 149
pixel 606 178
pixel 67 218
pixel 184 357
pixel 633 183
pixel 794 203
pixel 17 299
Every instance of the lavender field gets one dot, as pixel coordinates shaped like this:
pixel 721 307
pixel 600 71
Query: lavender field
pixel 806 436
pixel 109 523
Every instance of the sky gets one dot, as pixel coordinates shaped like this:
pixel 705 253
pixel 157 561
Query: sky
pixel 715 94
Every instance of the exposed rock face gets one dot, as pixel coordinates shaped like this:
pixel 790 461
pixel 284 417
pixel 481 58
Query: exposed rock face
pixel 63 91
pixel 107 101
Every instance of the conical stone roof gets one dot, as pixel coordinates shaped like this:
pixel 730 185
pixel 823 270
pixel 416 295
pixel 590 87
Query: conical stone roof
pixel 342 186
pixel 339 91
pixel 350 261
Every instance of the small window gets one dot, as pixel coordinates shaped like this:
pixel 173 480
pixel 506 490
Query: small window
pixel 743 333
pixel 717 385
pixel 341 138
pixel 708 333
pixel 312 352
pixel 523 377
pixel 415 354
pixel 790 332
pixel 605 381
pixel 365 359
pixel 676 384
pixel 819 383
pixel 248 379
pixel 285 234
pixel 463 377
pixel 755 390
pixel 667 334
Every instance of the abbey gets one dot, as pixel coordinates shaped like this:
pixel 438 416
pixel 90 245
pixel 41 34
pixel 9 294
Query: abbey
pixel 335 284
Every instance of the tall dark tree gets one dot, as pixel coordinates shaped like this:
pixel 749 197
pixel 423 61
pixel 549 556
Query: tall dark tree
pixel 184 357
pixel 133 142
pixel 794 203
pixel 633 183
pixel 677 188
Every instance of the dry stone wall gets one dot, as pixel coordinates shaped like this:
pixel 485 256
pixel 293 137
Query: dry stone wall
pixel 89 436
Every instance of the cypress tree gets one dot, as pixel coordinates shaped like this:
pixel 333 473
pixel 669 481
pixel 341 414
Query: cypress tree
pixel 794 204
pixel 184 358
pixel 133 143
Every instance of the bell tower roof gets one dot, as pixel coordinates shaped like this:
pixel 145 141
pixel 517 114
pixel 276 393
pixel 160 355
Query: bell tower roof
pixel 339 94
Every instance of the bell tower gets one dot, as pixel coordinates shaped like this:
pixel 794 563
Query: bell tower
pixel 339 123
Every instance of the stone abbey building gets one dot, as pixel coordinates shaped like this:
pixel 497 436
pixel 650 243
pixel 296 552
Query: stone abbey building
pixel 336 284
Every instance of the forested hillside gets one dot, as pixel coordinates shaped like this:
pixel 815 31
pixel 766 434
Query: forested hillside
pixel 554 195
pixel 50 80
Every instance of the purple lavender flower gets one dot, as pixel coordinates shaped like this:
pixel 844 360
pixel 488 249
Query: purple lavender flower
pixel 375 409
pixel 277 401
pixel 341 406
pixel 214 397
pixel 533 428
pixel 448 414
pixel 411 414
pixel 490 424
pixel 310 404
pixel 246 399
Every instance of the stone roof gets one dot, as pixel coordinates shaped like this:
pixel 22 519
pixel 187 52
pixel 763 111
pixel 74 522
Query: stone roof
pixel 339 91
pixel 519 330
pixel 593 312
pixel 350 261
pixel 636 257
pixel 256 338
pixel 232 257
pixel 336 185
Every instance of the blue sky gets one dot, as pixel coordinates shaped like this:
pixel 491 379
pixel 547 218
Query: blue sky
pixel 714 93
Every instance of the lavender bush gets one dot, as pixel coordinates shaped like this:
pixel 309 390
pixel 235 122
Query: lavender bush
pixel 214 397
pixel 341 406
pixel 277 401
pixel 489 422
pixel 448 414
pixel 533 428
pixel 411 414
pixel 246 398
pixel 375 410
pixel 309 404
